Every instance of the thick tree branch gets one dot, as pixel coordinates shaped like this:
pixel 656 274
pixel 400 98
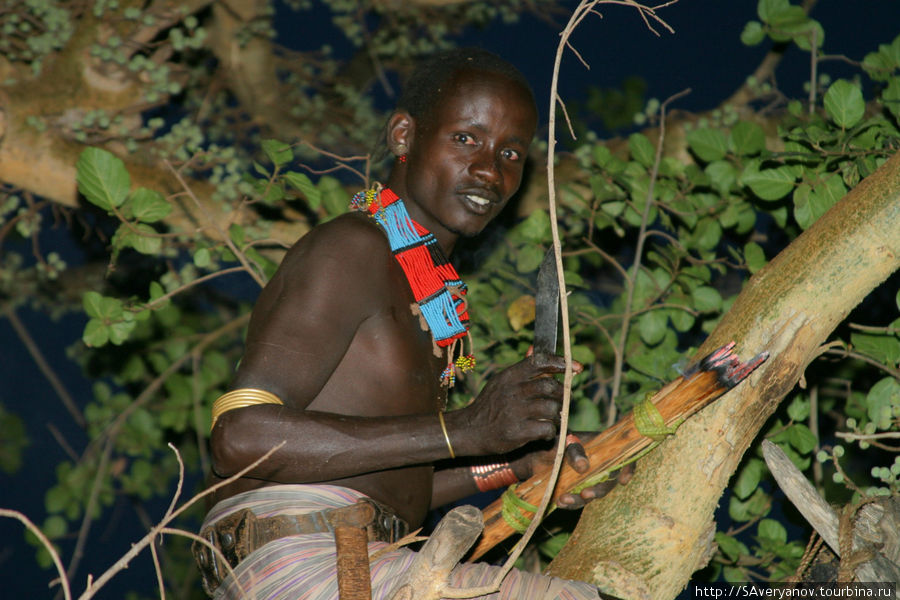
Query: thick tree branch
pixel 661 524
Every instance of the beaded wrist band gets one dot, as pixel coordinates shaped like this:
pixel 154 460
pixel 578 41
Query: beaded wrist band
pixel 241 398
pixel 491 477
pixel 446 437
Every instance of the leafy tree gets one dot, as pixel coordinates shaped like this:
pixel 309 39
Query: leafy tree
pixel 200 150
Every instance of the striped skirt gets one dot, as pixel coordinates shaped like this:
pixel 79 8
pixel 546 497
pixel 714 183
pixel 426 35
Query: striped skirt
pixel 303 567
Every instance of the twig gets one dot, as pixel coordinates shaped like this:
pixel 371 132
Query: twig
pixel 222 233
pixel 584 8
pixel 153 304
pixel 85 527
pixel 814 428
pixel 847 353
pixel 631 282
pixel 887 435
pixel 64 582
pixel 136 548
pixel 43 365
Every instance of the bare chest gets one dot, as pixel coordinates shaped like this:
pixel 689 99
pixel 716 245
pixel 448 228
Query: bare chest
pixel 394 357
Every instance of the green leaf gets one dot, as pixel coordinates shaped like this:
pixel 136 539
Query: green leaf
pixel 652 326
pixel 755 256
pixel 535 228
pixel 747 138
pixel 334 198
pixel 92 303
pixel 55 527
pixel 585 416
pixel 202 258
pixel 102 307
pixel 890 97
pixel 278 152
pixel 753 33
pixel 722 175
pixel 141 237
pixel 800 437
pixel 884 348
pixel 769 184
pixel 96 333
pixel 529 258
pixel 884 395
pixel 551 547
pixel 805 33
pixel 772 531
pixel 304 184
pixel 770 9
pixel 237 235
pixel 748 478
pixel 707 234
pixel 731 547
pixel 798 409
pixel 102 178
pixel 641 149
pixel 812 203
pixel 120 331
pixel 744 510
pixel 844 103
pixel 149 206
pixel 708 144
pixel 706 299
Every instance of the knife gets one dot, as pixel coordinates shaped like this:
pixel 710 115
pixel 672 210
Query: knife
pixel 546 306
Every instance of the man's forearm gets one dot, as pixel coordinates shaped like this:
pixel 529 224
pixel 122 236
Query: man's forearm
pixel 322 446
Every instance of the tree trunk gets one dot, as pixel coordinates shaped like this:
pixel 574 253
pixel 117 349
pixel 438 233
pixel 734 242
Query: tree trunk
pixel 652 534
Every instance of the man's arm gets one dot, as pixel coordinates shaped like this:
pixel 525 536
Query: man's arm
pixel 330 288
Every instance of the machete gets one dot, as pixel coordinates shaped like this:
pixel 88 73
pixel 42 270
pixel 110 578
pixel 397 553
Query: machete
pixel 546 306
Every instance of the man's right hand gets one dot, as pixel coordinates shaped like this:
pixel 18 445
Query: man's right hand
pixel 520 404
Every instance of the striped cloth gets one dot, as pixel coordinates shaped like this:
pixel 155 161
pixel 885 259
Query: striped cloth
pixel 303 567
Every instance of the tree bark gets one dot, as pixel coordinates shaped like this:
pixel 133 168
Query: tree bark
pixel 656 531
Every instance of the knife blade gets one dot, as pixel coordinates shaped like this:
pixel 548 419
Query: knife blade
pixel 546 306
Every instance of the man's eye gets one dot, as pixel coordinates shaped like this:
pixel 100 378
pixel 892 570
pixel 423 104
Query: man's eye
pixel 511 155
pixel 464 138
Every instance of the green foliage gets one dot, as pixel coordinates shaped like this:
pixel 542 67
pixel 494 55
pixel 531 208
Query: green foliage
pixel 13 440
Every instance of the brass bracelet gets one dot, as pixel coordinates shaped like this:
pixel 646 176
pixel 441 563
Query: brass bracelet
pixel 239 399
pixel 446 437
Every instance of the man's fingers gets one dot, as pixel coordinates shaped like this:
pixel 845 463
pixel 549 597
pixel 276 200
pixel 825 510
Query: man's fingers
pixel 576 455
pixel 625 474
pixel 552 364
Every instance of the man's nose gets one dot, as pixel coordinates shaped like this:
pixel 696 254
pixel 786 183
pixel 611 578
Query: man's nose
pixel 485 167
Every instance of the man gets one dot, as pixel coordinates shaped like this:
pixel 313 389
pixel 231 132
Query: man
pixel 353 344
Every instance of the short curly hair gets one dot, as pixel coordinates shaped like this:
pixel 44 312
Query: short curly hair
pixel 425 84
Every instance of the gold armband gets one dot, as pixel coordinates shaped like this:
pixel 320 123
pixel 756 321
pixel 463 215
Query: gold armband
pixel 241 398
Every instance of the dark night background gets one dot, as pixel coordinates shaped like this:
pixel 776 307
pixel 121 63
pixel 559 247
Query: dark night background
pixel 704 54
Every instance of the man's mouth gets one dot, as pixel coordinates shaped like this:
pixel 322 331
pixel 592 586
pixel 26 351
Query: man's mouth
pixel 478 200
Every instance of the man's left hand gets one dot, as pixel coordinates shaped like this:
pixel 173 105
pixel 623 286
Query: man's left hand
pixel 577 458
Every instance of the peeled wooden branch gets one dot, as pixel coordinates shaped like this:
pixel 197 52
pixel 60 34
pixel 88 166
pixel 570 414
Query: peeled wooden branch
pixel 700 385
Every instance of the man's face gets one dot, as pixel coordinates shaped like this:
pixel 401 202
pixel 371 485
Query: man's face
pixel 466 155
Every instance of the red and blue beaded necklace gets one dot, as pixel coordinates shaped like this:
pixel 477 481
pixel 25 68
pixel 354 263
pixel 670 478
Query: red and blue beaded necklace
pixel 436 286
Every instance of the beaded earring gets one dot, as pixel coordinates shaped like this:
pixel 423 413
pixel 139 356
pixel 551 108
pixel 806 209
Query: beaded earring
pixel 401 151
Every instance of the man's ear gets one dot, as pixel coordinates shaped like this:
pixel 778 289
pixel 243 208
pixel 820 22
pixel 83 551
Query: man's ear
pixel 400 131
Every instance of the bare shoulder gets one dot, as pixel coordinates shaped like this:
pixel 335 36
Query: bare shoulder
pixel 351 240
pixel 349 251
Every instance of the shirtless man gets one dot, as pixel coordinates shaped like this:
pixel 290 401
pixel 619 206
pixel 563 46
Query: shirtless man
pixel 344 372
